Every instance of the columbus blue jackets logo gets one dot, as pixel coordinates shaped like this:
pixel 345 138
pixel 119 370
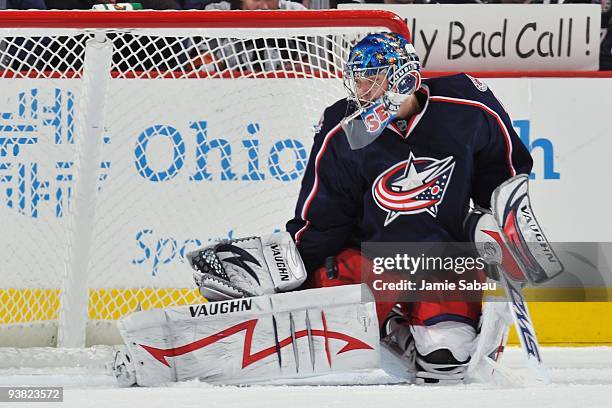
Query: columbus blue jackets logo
pixel 413 186
pixel 481 86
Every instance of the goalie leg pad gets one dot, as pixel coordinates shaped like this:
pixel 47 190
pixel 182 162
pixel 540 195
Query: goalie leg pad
pixel 491 341
pixel 287 335
pixel 123 367
pixel 443 351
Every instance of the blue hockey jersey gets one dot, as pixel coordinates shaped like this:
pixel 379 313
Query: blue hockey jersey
pixel 415 181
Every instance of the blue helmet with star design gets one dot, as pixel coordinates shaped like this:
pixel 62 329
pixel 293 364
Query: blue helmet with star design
pixel 383 53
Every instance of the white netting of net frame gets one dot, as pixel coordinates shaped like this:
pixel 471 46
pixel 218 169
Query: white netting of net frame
pixel 127 139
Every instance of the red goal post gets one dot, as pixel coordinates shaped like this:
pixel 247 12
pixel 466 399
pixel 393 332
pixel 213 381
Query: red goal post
pixel 204 19
pixel 129 138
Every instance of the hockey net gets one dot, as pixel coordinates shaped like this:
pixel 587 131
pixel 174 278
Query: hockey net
pixel 127 139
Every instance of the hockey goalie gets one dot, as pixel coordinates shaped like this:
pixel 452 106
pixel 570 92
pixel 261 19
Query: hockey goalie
pixel 402 159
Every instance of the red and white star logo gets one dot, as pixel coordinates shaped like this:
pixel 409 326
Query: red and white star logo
pixel 413 186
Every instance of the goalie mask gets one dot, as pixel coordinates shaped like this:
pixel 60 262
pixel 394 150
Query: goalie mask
pixel 382 71
pixel 379 63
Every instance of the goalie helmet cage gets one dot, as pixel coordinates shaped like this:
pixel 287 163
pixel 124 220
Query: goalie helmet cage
pixel 129 138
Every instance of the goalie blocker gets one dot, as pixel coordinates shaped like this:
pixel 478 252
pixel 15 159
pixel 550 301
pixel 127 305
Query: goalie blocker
pixel 512 242
pixel 509 235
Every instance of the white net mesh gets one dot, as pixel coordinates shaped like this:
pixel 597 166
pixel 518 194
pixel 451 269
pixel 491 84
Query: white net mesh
pixel 206 135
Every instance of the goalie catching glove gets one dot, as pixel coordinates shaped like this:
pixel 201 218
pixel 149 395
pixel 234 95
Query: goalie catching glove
pixel 247 267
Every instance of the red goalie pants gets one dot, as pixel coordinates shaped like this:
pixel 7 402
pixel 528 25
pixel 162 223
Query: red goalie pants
pixel 349 271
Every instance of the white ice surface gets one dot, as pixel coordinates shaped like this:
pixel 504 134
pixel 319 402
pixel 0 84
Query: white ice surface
pixel 581 378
